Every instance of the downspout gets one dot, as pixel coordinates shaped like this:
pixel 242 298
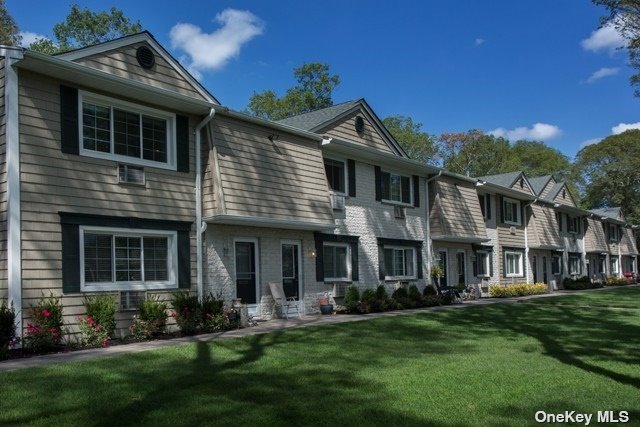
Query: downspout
pixel 12 165
pixel 526 240
pixel 429 243
pixel 200 227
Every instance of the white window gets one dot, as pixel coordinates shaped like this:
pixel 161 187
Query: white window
pixel 337 261
pixel 482 261
pixel 117 130
pixel 396 188
pixel 127 259
pixel 574 264
pixel 613 233
pixel 399 262
pixel 511 209
pixel 573 224
pixel 513 264
pixel 614 265
pixel 336 175
pixel 603 264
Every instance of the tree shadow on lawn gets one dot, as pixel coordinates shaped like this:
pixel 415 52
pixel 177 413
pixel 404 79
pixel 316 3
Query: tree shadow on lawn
pixel 568 335
pixel 264 379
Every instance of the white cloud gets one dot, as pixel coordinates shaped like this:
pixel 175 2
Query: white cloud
pixel 621 127
pixel 212 51
pixel 538 132
pixel 590 142
pixel 605 38
pixel 479 41
pixel 601 73
pixel 28 37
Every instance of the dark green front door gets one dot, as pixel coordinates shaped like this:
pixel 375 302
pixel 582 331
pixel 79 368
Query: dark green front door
pixel 246 272
pixel 290 269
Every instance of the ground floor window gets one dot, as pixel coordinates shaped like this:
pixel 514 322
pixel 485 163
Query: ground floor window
pixel 574 264
pixel 513 264
pixel 603 264
pixel 120 259
pixel 482 260
pixel 556 265
pixel 614 265
pixel 336 258
pixel 400 262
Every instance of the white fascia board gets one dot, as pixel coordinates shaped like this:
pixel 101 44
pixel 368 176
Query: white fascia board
pixel 255 221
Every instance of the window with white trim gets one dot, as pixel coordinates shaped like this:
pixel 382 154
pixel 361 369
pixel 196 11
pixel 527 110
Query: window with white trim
pixel 603 264
pixel 122 131
pixel 400 262
pixel 573 224
pixel 127 259
pixel 556 265
pixel 336 175
pixel 336 261
pixel 396 188
pixel 574 264
pixel 513 264
pixel 615 265
pixel 511 209
pixel 482 261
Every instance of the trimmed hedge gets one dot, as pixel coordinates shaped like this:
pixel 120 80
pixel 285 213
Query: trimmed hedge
pixel 580 283
pixel 617 281
pixel 518 290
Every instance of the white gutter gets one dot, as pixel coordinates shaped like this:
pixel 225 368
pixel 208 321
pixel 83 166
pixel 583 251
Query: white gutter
pixel 200 226
pixel 12 147
pixel 429 242
pixel 526 240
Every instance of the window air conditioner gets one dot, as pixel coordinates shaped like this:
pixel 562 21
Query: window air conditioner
pixel 337 202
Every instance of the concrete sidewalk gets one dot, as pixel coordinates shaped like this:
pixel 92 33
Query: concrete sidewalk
pixel 262 328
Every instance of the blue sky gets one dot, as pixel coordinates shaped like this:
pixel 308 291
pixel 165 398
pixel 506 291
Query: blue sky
pixel 532 69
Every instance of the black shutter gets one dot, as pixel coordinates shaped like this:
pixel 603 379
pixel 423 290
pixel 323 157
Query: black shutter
pixel 184 260
pixel 319 260
pixel 406 189
pixel 488 201
pixel 419 262
pixel 416 191
pixel 381 267
pixel 378 183
pixel 351 172
pixel 501 201
pixel 523 213
pixel 475 265
pixel 182 143
pixel 559 216
pixel 69 134
pixel 354 262
pixel 491 264
pixel 385 185
pixel 70 258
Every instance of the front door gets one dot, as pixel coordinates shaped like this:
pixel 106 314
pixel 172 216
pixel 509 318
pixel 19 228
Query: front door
pixel 246 271
pixel 461 269
pixel 545 279
pixel 444 266
pixel 534 266
pixel 290 268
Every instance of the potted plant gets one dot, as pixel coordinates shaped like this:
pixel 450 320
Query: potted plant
pixel 437 273
pixel 325 306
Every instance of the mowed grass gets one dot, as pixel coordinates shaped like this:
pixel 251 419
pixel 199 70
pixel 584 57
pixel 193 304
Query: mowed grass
pixel 483 365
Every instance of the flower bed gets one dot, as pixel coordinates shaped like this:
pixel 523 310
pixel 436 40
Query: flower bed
pixel 518 290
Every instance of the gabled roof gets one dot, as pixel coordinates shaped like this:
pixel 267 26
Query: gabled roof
pixel 314 121
pixel 555 190
pixel 503 179
pixel 144 36
pixel 613 213
pixel 539 182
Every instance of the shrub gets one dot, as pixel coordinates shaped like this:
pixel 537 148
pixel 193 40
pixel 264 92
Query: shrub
pixel 351 299
pixel 429 291
pixel 432 300
pixel 213 316
pixel 616 281
pixel 92 334
pixel 102 309
pixel 580 283
pixel 381 293
pixel 400 293
pixel 414 293
pixel 187 312
pixel 517 290
pixel 44 333
pixel 152 319
pixel 7 329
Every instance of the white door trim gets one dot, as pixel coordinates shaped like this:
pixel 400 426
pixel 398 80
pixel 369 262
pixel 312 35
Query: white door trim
pixel 298 243
pixel 256 253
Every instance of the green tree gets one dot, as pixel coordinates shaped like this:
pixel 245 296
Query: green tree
pixel 313 91
pixel 624 15
pixel 9 32
pixel 608 174
pixel 418 144
pixel 536 159
pixel 82 27
pixel 475 153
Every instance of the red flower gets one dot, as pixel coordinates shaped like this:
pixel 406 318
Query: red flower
pixel 46 313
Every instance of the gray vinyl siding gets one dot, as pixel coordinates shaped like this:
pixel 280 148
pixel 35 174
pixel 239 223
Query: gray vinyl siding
pixel 566 200
pixel 524 189
pixel 508 240
pixel 595 239
pixel 52 181
pixel 346 129
pixel 3 190
pixel 628 242
pixel 122 62
pixel 543 230
pixel 456 211
pixel 283 179
pixel 547 188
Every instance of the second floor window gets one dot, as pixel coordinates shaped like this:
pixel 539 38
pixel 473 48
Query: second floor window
pixel 396 188
pixel 335 171
pixel 511 209
pixel 573 224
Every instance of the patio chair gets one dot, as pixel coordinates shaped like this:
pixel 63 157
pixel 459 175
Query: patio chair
pixel 282 301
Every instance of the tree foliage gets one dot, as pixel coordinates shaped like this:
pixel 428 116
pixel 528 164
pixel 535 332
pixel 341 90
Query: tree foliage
pixel 418 144
pixel 536 158
pixel 313 91
pixel 624 15
pixel 608 174
pixel 83 27
pixel 9 32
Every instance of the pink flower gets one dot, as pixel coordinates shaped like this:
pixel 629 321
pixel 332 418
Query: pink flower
pixel 46 313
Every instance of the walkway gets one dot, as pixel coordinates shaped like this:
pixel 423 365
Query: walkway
pixel 262 328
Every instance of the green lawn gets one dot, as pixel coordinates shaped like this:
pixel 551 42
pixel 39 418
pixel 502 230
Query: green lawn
pixel 483 365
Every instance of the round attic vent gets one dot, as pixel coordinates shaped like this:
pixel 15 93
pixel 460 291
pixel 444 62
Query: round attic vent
pixel 359 124
pixel 145 57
